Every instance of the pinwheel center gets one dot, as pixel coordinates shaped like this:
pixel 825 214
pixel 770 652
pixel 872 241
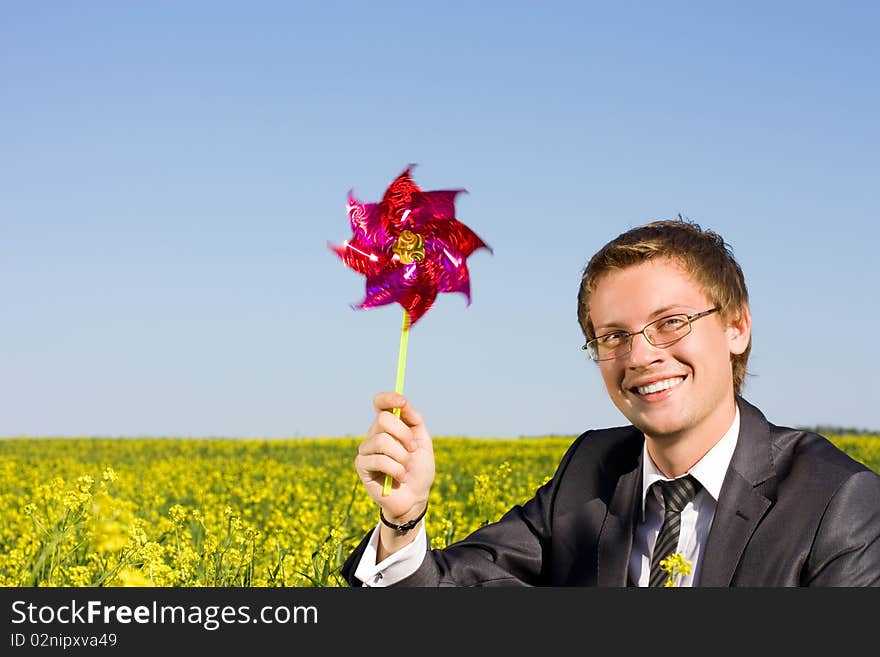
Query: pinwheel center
pixel 409 247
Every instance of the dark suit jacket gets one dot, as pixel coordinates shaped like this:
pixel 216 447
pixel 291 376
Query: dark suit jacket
pixel 794 510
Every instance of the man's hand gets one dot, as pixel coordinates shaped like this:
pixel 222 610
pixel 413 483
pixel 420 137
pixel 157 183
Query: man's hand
pixel 399 447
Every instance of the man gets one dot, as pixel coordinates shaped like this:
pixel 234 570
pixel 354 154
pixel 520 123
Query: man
pixel 699 477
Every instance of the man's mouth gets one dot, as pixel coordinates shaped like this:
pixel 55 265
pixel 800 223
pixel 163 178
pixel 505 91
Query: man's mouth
pixel 657 386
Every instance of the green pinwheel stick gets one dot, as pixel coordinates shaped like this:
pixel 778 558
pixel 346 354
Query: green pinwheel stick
pixel 398 387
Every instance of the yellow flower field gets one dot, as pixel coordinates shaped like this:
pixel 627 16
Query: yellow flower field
pixel 196 513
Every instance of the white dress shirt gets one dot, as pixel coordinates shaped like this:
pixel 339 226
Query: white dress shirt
pixel 696 519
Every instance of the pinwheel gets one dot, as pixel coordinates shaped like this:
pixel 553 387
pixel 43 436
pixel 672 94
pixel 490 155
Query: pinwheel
pixel 410 247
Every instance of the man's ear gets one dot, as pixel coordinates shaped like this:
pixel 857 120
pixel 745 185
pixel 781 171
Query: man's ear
pixel 739 331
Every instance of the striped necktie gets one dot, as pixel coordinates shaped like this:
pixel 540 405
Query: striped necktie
pixel 676 494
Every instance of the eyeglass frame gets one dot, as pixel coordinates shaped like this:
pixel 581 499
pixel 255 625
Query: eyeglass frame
pixel 631 335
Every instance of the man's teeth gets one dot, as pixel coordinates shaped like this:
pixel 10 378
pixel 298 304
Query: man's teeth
pixel 657 386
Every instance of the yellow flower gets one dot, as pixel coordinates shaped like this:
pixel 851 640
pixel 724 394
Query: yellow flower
pixel 177 514
pixel 677 566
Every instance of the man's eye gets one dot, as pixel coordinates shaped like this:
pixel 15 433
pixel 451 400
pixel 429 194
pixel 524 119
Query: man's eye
pixel 672 323
pixel 613 339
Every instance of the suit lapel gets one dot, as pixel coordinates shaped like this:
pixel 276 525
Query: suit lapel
pixel 749 489
pixel 616 537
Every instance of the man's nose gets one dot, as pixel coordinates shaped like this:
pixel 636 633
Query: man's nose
pixel 642 352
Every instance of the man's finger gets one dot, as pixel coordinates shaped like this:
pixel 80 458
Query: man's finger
pixel 373 463
pixel 410 415
pixel 383 443
pixel 388 401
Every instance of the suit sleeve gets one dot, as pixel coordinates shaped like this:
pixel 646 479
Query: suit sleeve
pixel 846 551
pixel 509 552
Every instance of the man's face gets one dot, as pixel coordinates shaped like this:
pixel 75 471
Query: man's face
pixel 695 391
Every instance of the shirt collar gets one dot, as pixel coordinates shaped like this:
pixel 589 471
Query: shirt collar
pixel 709 470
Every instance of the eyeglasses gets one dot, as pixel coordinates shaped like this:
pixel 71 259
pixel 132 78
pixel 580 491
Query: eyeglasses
pixel 659 333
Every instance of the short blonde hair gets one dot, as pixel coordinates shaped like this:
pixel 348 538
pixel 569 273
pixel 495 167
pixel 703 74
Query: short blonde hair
pixel 703 254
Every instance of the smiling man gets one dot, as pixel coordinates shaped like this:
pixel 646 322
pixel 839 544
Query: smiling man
pixel 698 477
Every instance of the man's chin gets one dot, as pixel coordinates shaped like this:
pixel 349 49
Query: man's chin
pixel 658 428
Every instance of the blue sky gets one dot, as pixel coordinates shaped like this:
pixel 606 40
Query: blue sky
pixel 172 171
